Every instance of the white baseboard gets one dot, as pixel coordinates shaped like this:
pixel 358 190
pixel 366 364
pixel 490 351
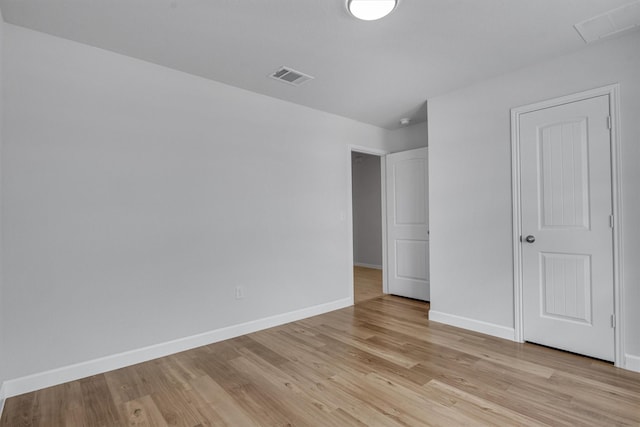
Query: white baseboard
pixel 473 325
pixel 362 264
pixel 65 374
pixel 632 362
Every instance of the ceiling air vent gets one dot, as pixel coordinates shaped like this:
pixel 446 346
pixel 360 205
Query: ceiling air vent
pixel 290 76
pixel 622 19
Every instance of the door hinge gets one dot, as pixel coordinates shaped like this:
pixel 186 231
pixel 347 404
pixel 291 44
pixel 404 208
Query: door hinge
pixel 611 224
pixel 613 321
pixel 608 122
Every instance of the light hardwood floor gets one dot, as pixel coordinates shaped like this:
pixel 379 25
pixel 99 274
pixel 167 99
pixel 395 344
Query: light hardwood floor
pixel 367 283
pixel 379 363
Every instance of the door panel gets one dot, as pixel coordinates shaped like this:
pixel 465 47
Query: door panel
pixel 564 171
pixel 408 187
pixel 566 204
pixel 412 259
pixel 565 287
pixel 407 224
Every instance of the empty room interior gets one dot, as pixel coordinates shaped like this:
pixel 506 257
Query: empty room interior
pixel 319 212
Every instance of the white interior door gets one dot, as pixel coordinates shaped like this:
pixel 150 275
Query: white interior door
pixel 407 224
pixel 567 242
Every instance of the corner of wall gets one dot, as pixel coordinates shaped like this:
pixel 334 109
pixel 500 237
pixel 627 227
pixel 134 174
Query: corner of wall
pixel 2 399
pixel 408 137
pixel 2 364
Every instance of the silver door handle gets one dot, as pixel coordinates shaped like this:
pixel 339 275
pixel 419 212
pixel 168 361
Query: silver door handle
pixel 530 239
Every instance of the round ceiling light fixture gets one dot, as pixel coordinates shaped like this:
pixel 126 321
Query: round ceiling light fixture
pixel 370 10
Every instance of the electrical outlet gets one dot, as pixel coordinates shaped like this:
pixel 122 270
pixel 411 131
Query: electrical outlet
pixel 239 292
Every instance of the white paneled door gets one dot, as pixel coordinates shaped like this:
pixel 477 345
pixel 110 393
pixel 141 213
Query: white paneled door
pixel 567 236
pixel 408 224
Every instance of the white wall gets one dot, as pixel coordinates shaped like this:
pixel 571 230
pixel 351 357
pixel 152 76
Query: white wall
pixel 136 198
pixel 470 180
pixel 367 210
pixel 408 137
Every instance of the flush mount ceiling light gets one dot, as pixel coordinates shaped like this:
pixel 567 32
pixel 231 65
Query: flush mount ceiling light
pixel 370 10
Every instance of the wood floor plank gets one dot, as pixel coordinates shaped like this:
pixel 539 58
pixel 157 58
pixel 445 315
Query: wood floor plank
pixel 226 408
pixel 177 408
pixel 19 411
pixel 481 410
pixel 399 405
pixel 143 412
pixel 125 385
pixel 99 407
pixel 378 363
pixel 367 283
pixel 292 402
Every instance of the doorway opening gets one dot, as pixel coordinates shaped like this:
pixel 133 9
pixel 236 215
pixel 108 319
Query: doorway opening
pixel 402 222
pixel 367 214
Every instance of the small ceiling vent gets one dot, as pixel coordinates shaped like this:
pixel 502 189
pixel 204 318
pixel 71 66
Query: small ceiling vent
pixel 290 76
pixel 622 19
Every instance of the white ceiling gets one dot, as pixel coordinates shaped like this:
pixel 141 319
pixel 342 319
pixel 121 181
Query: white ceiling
pixel 374 72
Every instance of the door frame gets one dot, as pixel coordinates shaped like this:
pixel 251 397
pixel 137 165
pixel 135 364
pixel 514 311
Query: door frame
pixel 383 200
pixel 613 92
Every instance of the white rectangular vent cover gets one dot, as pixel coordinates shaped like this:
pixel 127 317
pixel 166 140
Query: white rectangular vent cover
pixel 290 76
pixel 624 18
